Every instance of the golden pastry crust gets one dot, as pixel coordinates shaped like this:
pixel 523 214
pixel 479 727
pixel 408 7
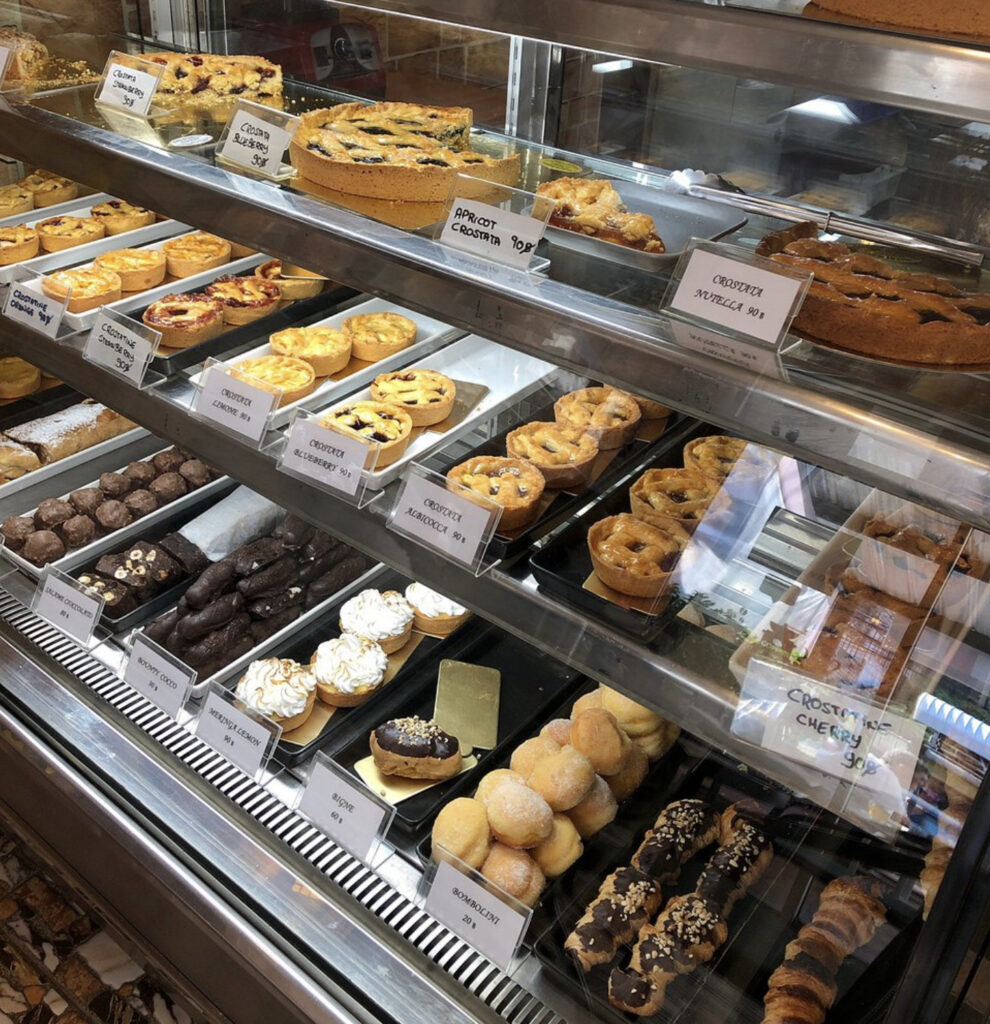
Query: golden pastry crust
pixel 428 396
pixel 650 409
pixel 28 56
pixel 377 335
pixel 611 416
pixel 49 189
pixel 245 299
pixel 393 151
pixel 385 425
pixel 58 233
pixel 326 349
pixel 715 456
pixel 15 199
pixel 681 495
pixel 205 78
pixel 18 377
pixel 90 287
pixel 564 455
pixel 513 484
pixel 293 282
pixel 185 320
pixel 286 376
pixel 634 557
pixel 17 243
pixel 595 208
pixel 118 216
pixel 138 269
pixel 191 254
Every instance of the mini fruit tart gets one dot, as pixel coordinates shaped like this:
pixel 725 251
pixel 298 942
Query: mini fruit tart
pixel 375 336
pixel 87 287
pixel 118 216
pixel 17 243
pixel 15 199
pixel 185 320
pixel 564 455
pixel 660 496
pixel 714 456
pixel 386 425
pixel 382 616
pixel 426 395
pixel 609 415
pixel 651 410
pixel 192 254
pixel 513 484
pixel 326 349
pixel 57 233
pixel 245 299
pixel 433 612
pixel 286 376
pixel 49 189
pixel 293 282
pixel 137 269
pixel 634 557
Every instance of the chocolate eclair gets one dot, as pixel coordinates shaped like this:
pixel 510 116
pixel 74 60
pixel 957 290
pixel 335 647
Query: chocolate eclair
pixel 414 748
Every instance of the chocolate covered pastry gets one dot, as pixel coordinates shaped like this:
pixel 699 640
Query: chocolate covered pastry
pixel 43 547
pixel 215 644
pixel 271 580
pixel 212 582
pixel 116 485
pixel 169 461
pixel 262 629
pixel 414 748
pixel 256 555
pixel 195 473
pixel 77 531
pixel 113 515
pixel 189 556
pixel 16 530
pixel 294 532
pixel 87 500
pixel 216 614
pixel 349 568
pixel 141 473
pixel 682 829
pixel 52 512
pixel 140 503
pixel 116 595
pixel 168 487
pixel 269 607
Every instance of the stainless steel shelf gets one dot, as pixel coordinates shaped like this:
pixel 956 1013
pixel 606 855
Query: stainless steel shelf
pixel 881 443
pixel 860 63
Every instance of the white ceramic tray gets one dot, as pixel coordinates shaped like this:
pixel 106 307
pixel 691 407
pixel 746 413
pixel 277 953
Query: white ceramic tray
pixel 70 206
pixel 138 300
pixel 118 538
pixel 430 335
pixel 46 262
pixel 509 376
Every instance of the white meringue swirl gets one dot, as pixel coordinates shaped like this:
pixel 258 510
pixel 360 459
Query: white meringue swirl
pixel 276 686
pixel 430 603
pixel 375 615
pixel 349 663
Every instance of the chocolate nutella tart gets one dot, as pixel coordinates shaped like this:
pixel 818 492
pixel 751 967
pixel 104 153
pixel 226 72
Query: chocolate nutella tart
pixel 864 305
pixel 393 151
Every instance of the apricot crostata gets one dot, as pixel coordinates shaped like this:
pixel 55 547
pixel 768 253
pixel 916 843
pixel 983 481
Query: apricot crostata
pixel 595 208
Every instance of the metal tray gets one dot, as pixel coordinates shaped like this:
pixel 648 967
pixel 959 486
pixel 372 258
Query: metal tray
pixel 137 300
pixel 291 315
pixel 430 335
pixel 40 213
pixel 88 552
pixel 509 376
pixel 46 262
pixel 678 219
pixel 37 404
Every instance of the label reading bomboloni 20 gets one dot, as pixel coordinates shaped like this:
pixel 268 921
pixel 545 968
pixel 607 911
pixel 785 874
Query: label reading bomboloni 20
pixel 41 313
pixel 236 735
pixel 440 518
pixel 492 232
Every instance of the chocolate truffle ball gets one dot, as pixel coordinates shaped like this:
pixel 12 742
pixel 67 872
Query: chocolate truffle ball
pixel 77 531
pixel 16 530
pixel 42 547
pixel 194 472
pixel 87 500
pixel 168 487
pixel 52 512
pixel 115 485
pixel 140 503
pixel 112 515
pixel 169 462
pixel 142 473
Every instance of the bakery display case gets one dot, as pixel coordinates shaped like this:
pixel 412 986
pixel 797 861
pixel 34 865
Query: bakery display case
pixel 447 636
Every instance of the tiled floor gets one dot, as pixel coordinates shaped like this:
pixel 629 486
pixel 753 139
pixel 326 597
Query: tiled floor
pixel 57 963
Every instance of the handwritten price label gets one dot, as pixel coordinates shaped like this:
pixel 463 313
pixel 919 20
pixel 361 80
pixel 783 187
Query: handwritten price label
pixel 26 304
pixel 233 403
pixel 128 88
pixel 4 62
pixel 326 457
pixel 257 137
pixel 121 345
pixel 492 232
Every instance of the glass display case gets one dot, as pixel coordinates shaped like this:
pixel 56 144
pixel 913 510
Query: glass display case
pixel 707 661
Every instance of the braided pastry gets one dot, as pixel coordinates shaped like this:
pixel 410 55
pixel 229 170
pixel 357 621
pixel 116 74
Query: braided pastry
pixel 802 988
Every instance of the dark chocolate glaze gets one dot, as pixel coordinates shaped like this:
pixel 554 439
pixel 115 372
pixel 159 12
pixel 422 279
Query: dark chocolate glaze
pixel 415 737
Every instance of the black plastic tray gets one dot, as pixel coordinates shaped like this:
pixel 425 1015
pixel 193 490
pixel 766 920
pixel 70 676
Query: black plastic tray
pixel 294 315
pixel 39 403
pixel 168 597
pixel 763 922
pixel 565 502
pixel 563 564
pixel 532 684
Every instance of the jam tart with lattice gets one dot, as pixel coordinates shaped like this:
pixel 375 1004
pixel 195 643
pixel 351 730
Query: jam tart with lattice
pixel 428 396
pixel 513 484
pixel 86 287
pixel 289 378
pixel 118 216
pixel 611 416
pixel 137 269
pixel 17 243
pixel 206 77
pixel 661 496
pixel 634 557
pixel 564 455
pixel 185 320
pixel 595 208
pixel 379 423
pixel 58 233
pixel 245 299
pixel 326 349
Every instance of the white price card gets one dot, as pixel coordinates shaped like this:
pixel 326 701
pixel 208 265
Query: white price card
pixel 27 304
pixel 492 232
pixel 158 675
pixel 67 605
pixel 326 457
pixel 238 735
pixel 442 519
pixel 733 290
pixel 825 729
pixel 256 138
pixel 233 403
pixel 469 909
pixel 757 358
pixel 340 804
pixel 121 345
pixel 129 83
pixel 5 52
